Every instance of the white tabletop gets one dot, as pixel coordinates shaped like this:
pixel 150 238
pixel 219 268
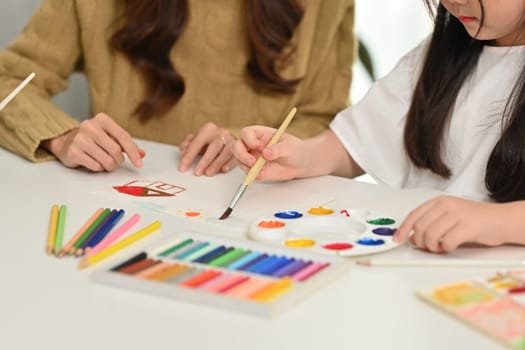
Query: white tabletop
pixel 48 303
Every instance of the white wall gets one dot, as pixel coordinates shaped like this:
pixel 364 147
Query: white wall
pixel 13 16
pixel 388 27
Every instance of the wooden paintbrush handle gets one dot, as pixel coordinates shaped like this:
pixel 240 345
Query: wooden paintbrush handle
pixel 256 168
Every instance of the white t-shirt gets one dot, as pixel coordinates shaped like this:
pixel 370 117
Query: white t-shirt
pixel 372 130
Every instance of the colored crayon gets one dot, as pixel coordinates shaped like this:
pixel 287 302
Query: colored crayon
pixel 201 278
pixel 218 251
pixel 168 273
pixel 112 249
pixel 199 252
pixel 189 252
pixel 292 268
pixel 226 283
pixel 140 256
pixel 60 229
pixel 228 258
pixel 243 261
pixel 175 247
pixel 90 230
pixel 82 248
pixel 255 261
pixel 261 264
pixel 272 291
pixel 274 266
pixel 113 236
pixel 104 230
pixel 80 231
pixel 309 271
pixel 247 288
pixel 52 231
pixel 188 273
pixel 139 266
pixel 152 270
pixel 183 250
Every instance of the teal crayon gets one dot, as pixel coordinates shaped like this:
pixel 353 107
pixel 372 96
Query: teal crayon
pixel 176 247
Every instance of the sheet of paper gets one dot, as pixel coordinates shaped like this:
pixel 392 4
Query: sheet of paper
pixel 202 200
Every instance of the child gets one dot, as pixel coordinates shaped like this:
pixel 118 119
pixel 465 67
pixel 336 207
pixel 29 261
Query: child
pixel 450 116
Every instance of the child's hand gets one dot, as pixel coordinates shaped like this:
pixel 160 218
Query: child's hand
pixel 442 224
pixel 283 159
pixel 98 145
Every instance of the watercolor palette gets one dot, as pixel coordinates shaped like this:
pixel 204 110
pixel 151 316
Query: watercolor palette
pixel 343 232
pixel 495 305
pixel 237 275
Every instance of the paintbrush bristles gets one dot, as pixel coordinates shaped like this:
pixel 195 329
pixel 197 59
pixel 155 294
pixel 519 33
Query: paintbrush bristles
pixel 226 214
pixel 256 168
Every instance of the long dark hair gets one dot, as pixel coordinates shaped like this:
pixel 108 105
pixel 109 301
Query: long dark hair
pixel 452 56
pixel 151 27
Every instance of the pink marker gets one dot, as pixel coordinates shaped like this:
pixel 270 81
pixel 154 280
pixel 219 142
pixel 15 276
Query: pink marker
pixel 114 235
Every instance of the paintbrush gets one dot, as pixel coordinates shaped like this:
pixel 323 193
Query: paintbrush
pixel 256 169
pixel 15 92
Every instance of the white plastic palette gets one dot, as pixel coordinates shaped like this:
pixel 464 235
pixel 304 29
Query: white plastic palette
pixel 344 232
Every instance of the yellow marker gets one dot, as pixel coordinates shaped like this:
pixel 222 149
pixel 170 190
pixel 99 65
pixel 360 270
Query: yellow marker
pixel 112 249
pixel 52 230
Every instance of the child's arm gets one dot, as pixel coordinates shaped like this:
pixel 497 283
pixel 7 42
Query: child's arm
pixel 292 157
pixel 444 223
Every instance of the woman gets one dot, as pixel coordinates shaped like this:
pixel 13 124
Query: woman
pixel 188 73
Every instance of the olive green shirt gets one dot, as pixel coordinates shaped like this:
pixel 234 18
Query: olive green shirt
pixel 65 36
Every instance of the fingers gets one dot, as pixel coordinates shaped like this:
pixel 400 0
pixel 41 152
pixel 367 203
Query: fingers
pixel 442 224
pixel 452 240
pixel 408 224
pixel 183 147
pixel 115 140
pixel 214 144
pixel 229 165
pixel 97 145
pixel 217 153
pixel 252 142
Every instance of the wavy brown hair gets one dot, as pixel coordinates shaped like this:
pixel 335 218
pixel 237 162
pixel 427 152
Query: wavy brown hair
pixel 451 58
pixel 150 28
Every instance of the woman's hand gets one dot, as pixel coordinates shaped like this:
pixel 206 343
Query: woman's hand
pixel 98 145
pixel 444 223
pixel 214 144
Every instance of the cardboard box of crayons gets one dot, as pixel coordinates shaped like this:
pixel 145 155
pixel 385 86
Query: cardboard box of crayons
pixel 238 275
pixel 494 305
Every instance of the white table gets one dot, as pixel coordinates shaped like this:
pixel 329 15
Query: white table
pixel 46 303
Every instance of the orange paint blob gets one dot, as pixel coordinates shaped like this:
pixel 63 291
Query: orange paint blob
pixel 192 214
pixel 270 224
pixel 320 211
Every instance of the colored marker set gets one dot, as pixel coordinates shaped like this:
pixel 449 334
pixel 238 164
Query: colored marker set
pixel 240 275
pixel 95 240
pixel 495 305
pixel 344 232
